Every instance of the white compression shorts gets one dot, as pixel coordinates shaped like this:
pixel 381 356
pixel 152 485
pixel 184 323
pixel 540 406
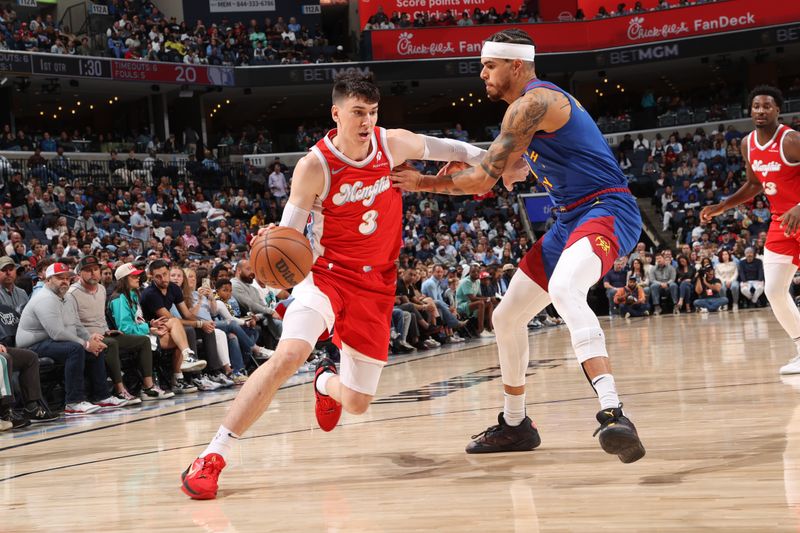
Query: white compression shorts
pixel 308 316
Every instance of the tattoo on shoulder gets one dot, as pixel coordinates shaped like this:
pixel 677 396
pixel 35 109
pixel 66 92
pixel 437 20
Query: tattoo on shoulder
pixel 521 121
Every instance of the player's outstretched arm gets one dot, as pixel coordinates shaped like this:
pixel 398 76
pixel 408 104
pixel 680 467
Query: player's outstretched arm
pixel 746 192
pixel 406 145
pixel 522 119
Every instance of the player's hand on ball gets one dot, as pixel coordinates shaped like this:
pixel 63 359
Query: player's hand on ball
pixel 265 229
pixel 516 173
pixel 406 178
pixel 790 221
pixel 710 211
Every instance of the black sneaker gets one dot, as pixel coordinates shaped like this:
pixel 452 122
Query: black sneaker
pixel 183 386
pixel 505 438
pixel 17 421
pixel 39 414
pixel 618 435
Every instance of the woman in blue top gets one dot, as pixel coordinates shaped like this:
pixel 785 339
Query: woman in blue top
pixel 129 319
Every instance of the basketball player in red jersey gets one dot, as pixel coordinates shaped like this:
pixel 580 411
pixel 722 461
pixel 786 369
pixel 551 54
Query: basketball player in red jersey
pixel 771 156
pixel 343 184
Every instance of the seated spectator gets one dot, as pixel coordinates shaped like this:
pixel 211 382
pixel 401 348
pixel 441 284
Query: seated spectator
pixel 685 278
pixel 424 309
pixel 751 277
pixel 470 304
pixel 11 296
pixel 641 274
pixel 88 296
pixel 199 324
pixel 615 279
pixel 727 271
pixel 156 301
pixel 241 329
pixel 248 295
pixel 707 288
pixel 631 299
pixel 203 304
pixel 433 289
pixel 663 279
pixel 50 327
pixel 26 363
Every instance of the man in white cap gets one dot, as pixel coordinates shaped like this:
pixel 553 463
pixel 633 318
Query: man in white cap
pixel 50 327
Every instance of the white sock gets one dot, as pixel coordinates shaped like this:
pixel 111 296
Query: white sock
pixel 606 391
pixel 222 443
pixel 513 408
pixel 322 382
pixel 187 352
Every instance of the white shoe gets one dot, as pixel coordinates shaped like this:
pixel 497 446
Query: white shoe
pixel 430 343
pixel 221 379
pixel 456 338
pixel 81 408
pixel 486 334
pixel 5 425
pixel 792 367
pixel 723 308
pixel 112 402
pixel 262 354
pixel 703 310
pixel 204 384
pixel 192 364
pixel 155 393
pixel 735 307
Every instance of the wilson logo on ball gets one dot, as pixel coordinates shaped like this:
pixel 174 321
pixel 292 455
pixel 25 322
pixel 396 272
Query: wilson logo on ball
pixel 285 271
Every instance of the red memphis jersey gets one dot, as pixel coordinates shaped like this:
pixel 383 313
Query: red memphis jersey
pixel 357 220
pixel 781 179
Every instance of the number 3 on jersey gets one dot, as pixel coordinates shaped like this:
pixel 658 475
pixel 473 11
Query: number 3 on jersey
pixel 770 188
pixel 370 223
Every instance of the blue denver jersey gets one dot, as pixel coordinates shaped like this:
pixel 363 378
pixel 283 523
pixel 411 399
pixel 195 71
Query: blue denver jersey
pixel 574 161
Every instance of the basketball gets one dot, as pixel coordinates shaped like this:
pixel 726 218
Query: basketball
pixel 280 258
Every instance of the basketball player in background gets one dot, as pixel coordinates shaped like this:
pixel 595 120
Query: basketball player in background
pixel 771 156
pixel 598 221
pixel 343 184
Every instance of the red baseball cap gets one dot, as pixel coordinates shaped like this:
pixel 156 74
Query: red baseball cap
pixel 485 275
pixel 56 269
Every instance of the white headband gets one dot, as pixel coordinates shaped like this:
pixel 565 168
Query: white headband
pixel 525 52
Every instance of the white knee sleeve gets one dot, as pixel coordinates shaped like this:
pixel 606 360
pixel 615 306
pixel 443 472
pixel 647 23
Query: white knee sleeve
pixel 588 343
pixel 523 300
pixel 576 271
pixel 778 273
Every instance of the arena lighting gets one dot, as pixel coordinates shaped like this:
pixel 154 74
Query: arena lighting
pixel 3 81
pixel 116 99
pixel 110 102
pixel 454 104
pixel 78 103
pixel 41 113
pixel 227 101
pixel 59 108
pixel 91 106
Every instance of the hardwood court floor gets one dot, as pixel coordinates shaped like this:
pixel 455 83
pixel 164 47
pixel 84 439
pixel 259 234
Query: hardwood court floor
pixel 722 432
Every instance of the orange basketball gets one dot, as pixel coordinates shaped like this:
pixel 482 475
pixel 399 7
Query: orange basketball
pixel 280 258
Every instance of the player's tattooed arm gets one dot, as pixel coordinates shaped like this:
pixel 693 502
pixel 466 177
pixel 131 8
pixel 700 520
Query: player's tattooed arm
pixel 522 119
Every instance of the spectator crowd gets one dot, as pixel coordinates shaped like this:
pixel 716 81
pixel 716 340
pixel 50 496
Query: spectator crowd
pixel 141 31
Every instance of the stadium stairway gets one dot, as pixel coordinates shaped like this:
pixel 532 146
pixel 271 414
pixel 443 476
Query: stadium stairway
pixel 651 224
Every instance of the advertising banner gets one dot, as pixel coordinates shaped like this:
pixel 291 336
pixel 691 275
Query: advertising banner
pixel 228 6
pixel 677 23
pixel 367 8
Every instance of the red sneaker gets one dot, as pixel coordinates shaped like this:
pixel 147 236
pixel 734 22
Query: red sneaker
pixel 326 408
pixel 200 479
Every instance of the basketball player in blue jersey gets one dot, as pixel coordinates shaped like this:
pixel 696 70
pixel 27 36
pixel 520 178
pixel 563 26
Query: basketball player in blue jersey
pixel 598 221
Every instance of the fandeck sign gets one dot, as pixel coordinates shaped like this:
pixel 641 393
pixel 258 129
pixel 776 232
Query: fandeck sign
pixel 678 23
